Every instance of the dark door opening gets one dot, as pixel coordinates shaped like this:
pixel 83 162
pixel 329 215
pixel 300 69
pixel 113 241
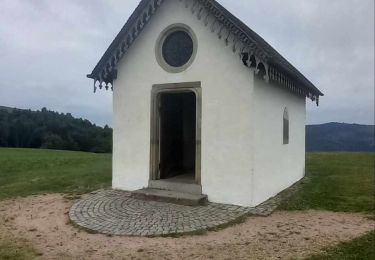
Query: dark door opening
pixel 177 135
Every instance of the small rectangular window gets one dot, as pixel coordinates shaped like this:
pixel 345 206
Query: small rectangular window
pixel 286 127
pixel 286 131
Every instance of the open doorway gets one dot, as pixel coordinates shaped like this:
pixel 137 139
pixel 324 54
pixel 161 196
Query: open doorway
pixel 177 113
pixel 175 155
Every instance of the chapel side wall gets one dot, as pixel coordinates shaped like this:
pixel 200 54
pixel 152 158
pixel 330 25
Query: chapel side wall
pixel 227 87
pixel 277 165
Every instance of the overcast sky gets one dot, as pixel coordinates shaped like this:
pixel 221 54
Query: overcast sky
pixel 47 47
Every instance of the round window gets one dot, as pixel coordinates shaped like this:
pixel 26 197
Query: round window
pixel 177 48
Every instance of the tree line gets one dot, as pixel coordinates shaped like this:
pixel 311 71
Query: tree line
pixel 52 130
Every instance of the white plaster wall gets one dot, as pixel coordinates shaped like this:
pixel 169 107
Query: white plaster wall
pixel 227 85
pixel 276 166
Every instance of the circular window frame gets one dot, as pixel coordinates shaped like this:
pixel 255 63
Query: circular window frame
pixel 159 47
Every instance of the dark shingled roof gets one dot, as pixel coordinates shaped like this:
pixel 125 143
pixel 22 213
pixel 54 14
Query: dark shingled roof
pixel 274 58
pixel 119 38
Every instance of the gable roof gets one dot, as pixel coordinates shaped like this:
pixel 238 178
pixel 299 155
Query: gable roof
pixel 275 65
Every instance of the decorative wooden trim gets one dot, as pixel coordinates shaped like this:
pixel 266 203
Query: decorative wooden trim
pixel 241 39
pixel 104 74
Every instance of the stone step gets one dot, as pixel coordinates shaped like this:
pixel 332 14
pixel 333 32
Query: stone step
pixel 175 185
pixel 175 197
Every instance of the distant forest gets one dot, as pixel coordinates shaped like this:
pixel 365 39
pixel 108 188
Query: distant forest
pixel 51 130
pixel 333 137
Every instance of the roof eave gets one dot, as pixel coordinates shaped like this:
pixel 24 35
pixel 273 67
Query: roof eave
pixel 102 73
pixel 298 77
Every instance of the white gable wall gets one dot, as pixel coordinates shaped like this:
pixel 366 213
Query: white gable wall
pixel 276 165
pixel 227 86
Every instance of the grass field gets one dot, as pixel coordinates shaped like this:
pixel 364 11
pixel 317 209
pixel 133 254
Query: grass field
pixel 361 248
pixel 335 181
pixel 13 249
pixel 26 171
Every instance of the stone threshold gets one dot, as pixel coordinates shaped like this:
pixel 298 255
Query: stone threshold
pixel 170 196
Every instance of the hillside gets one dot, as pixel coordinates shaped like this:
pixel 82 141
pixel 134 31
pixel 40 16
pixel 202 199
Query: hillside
pixel 51 130
pixel 9 109
pixel 340 137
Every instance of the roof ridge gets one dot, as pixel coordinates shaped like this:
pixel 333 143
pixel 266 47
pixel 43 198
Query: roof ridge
pixel 104 71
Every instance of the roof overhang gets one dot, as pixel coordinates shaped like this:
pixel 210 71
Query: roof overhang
pixel 254 50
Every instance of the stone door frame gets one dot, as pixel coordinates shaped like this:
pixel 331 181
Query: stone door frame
pixel 157 89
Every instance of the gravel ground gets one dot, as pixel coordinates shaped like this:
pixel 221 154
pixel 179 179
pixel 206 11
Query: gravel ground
pixel 43 220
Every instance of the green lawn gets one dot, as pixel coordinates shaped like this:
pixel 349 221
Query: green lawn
pixel 337 182
pixel 16 250
pixel 361 248
pixel 26 171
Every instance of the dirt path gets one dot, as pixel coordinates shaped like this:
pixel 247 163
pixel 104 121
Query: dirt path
pixel 43 220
